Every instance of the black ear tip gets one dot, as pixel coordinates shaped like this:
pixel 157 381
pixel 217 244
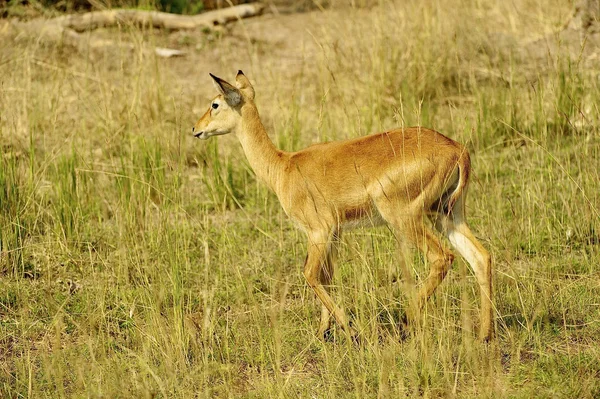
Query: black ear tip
pixel 240 72
pixel 216 78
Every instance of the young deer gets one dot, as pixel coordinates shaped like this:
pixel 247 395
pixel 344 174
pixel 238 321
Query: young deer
pixel 399 177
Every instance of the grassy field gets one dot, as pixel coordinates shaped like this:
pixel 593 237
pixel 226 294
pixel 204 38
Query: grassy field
pixel 137 262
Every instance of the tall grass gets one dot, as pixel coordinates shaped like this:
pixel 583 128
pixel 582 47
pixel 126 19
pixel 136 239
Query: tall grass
pixel 137 262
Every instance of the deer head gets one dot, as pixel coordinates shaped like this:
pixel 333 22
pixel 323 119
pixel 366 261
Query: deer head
pixel 224 113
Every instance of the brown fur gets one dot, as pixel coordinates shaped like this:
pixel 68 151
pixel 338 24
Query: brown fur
pixel 399 177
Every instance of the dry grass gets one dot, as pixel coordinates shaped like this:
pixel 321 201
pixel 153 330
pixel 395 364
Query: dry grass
pixel 137 262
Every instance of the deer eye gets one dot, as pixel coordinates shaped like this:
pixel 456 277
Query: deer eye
pixel 215 105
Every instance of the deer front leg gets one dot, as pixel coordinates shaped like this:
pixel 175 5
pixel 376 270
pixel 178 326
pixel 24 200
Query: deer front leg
pixel 326 276
pixel 315 270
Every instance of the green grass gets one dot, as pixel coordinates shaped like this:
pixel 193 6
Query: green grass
pixel 137 262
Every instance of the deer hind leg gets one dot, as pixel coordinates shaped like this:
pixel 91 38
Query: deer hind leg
pixel 463 240
pixel 319 245
pixel 439 257
pixel 325 277
pixel 413 229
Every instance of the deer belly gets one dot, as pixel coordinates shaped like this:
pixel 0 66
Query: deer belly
pixel 364 216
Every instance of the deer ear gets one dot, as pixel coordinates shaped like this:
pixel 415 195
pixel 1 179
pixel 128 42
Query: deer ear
pixel 232 95
pixel 243 83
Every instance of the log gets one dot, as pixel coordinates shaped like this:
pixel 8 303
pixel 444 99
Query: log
pixel 156 19
pixel 65 28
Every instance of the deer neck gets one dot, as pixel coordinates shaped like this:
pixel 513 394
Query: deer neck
pixel 264 158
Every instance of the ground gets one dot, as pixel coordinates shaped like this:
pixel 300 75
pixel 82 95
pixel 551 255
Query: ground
pixel 139 262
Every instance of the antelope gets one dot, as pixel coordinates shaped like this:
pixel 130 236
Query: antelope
pixel 401 177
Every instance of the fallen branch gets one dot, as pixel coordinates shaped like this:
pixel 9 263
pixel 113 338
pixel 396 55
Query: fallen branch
pixel 65 29
pixel 156 19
